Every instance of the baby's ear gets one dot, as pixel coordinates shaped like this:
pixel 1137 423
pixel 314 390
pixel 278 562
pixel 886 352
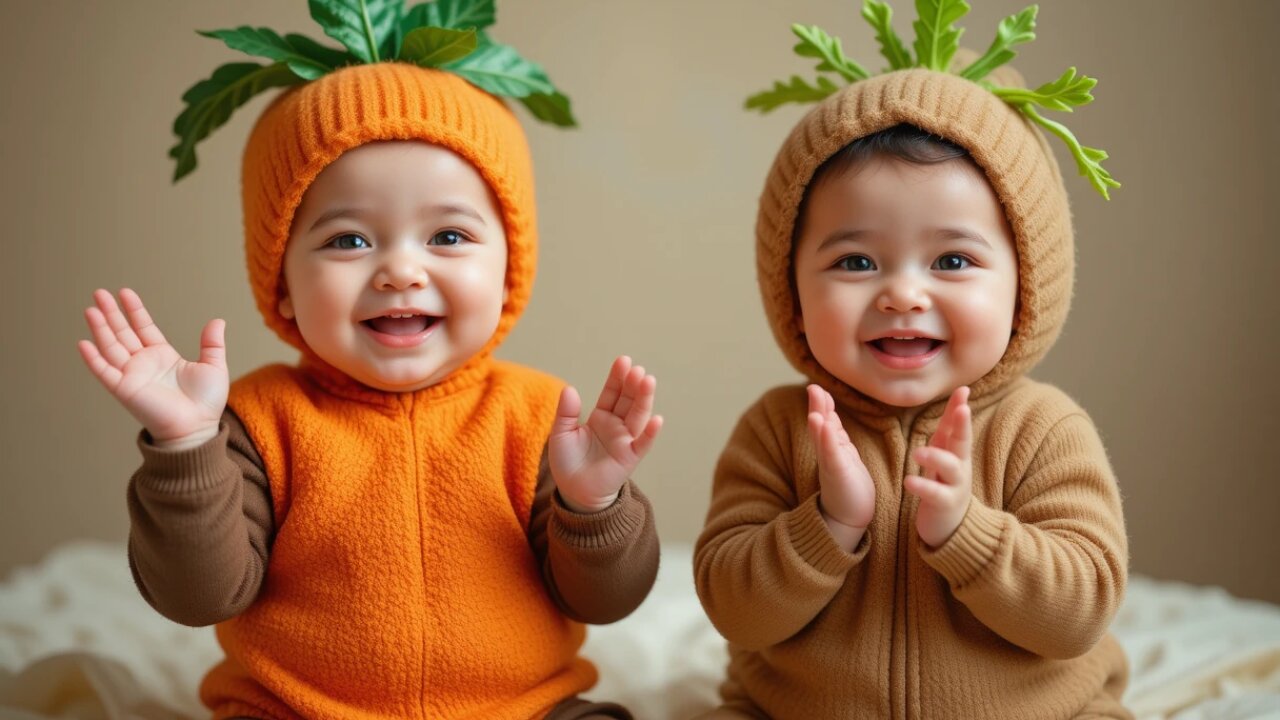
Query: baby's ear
pixel 285 308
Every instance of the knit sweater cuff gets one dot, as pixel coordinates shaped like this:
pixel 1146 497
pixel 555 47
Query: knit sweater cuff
pixel 969 550
pixel 615 525
pixel 183 471
pixel 812 541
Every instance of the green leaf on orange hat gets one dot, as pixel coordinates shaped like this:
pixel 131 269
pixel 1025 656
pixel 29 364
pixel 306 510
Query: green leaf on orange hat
pixel 210 103
pixel 437 46
pixel 451 14
pixel 307 58
pixel 447 34
pixel 551 108
pixel 815 42
pixel 879 16
pixel 447 14
pixel 937 37
pixel 500 70
pixel 1013 30
pixel 365 27
pixel 796 91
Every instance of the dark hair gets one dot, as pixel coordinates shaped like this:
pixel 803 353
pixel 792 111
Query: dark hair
pixel 903 142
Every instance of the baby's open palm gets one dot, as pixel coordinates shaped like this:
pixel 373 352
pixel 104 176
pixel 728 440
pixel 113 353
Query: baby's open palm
pixel 848 493
pixel 175 399
pixel 591 462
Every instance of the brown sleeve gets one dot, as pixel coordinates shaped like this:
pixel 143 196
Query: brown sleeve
pixel 1048 571
pixel 597 567
pixel 201 525
pixel 765 564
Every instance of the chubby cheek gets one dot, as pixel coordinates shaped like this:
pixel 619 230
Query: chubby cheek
pixel 473 297
pixel 981 325
pixel 324 303
pixel 830 320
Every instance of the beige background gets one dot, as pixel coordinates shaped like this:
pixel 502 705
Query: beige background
pixel 646 217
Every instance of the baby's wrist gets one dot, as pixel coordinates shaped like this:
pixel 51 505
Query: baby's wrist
pixel 589 507
pixel 186 442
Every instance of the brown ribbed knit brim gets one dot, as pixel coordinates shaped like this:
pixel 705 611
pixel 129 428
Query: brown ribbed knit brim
pixel 1017 162
pixel 309 126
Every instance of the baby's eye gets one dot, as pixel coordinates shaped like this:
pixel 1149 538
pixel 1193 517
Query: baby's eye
pixel 349 242
pixel 447 237
pixel 952 261
pixel 858 263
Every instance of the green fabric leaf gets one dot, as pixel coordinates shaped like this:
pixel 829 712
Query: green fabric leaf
pixel 553 108
pixel 210 103
pixel 1013 30
pixel 452 14
pixel 1088 160
pixel 878 15
pixel 1068 91
pixel 365 27
pixel 937 37
pixel 436 46
pixel 816 43
pixel 322 54
pixel 500 70
pixel 305 57
pixel 796 91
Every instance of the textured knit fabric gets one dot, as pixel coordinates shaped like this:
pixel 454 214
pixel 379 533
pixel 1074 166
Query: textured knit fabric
pixel 309 126
pixel 202 527
pixel 401 581
pixel 1006 619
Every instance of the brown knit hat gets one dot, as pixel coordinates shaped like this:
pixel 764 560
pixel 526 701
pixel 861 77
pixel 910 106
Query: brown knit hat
pixel 310 125
pixel 1010 150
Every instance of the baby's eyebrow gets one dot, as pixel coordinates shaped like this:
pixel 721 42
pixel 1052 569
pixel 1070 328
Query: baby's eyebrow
pixel 336 213
pixel 450 208
pixel 950 233
pixel 845 236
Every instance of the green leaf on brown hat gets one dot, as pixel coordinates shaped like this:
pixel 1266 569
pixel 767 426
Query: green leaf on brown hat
pixel 937 40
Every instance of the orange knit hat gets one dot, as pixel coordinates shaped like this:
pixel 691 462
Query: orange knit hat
pixel 309 126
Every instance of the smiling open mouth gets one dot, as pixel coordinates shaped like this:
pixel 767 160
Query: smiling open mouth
pixel 911 347
pixel 401 324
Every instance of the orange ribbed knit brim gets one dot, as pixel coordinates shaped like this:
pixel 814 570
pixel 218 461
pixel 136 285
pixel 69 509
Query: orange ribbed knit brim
pixel 1012 153
pixel 309 126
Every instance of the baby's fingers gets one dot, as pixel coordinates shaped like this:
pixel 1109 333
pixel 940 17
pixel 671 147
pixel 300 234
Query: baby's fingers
pixel 612 389
pixel 962 434
pixel 638 417
pixel 213 345
pixel 115 319
pixel 108 345
pixel 567 412
pixel 101 369
pixel 140 319
pixel 630 388
pixel 640 446
pixel 940 464
pixel 929 491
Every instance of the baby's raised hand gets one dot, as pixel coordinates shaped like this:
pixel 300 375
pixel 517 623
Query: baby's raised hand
pixel 179 402
pixel 591 462
pixel 848 494
pixel 946 488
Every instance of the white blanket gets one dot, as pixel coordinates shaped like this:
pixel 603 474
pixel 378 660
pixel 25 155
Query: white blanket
pixel 77 641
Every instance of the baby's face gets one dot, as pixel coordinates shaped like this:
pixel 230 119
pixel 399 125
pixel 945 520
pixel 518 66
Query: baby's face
pixel 907 278
pixel 396 264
